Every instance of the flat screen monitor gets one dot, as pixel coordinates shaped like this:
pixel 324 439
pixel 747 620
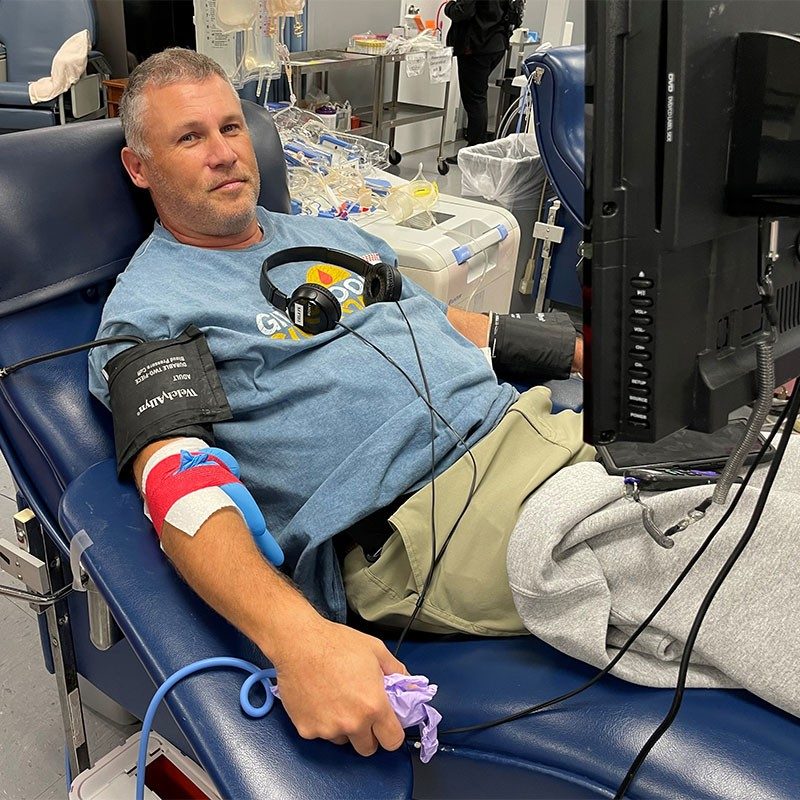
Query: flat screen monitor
pixel 672 308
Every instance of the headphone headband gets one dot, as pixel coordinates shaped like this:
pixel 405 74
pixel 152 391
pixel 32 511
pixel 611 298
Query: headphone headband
pixel 312 307
pixel 324 255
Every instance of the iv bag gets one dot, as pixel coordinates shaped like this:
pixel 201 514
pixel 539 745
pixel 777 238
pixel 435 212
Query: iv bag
pixel 236 15
pixel 233 33
pixel 284 8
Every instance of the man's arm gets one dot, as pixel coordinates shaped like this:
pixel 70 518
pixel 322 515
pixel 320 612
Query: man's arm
pixel 470 325
pixel 459 10
pixel 475 327
pixel 330 676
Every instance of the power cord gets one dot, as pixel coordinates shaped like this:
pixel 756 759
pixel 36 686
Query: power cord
pixel 646 622
pixel 744 540
pixel 68 351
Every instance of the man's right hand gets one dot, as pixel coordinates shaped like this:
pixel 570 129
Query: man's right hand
pixel 331 683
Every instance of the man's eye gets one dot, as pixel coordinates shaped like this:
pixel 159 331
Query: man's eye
pixel 188 137
pixel 232 127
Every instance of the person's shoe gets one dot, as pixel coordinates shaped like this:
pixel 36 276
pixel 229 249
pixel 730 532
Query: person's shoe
pixel 452 159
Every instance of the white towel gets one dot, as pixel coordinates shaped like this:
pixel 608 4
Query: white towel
pixel 69 63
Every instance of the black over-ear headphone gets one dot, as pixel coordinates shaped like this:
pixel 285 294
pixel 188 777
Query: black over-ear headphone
pixel 313 308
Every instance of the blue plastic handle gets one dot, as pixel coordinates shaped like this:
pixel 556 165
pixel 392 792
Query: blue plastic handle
pixel 247 505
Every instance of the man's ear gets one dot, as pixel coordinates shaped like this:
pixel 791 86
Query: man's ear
pixel 133 165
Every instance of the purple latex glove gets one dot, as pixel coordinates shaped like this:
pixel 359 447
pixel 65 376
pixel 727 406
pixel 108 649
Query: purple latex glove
pixel 409 697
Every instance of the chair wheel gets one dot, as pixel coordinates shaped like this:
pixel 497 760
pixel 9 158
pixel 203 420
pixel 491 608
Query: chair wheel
pixel 443 167
pixel 394 157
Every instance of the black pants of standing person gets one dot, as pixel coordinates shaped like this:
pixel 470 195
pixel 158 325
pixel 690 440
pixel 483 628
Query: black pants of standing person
pixel 473 83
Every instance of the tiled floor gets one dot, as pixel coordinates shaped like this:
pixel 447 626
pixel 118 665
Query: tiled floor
pixel 448 184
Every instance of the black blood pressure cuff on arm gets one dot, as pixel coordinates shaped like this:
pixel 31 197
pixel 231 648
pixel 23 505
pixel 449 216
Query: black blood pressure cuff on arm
pixel 164 389
pixel 532 348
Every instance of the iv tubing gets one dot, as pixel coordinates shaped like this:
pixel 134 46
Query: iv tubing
pixel 257 712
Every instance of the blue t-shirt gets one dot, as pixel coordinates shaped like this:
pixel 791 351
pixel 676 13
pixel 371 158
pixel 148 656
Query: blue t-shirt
pixel 325 430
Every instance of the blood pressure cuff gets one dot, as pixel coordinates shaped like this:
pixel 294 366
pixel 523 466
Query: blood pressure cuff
pixel 162 389
pixel 532 348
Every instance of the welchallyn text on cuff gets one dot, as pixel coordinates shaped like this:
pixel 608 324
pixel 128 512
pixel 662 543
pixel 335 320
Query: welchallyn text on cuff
pixel 163 389
pixel 531 348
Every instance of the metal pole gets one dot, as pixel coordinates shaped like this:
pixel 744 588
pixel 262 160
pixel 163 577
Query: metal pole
pixel 444 120
pixel 59 629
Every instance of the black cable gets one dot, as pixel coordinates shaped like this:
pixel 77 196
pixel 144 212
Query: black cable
pixel 436 557
pixel 420 598
pixel 68 351
pixel 380 352
pixel 646 622
pixel 755 517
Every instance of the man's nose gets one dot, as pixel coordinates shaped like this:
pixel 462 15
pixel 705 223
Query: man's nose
pixel 220 152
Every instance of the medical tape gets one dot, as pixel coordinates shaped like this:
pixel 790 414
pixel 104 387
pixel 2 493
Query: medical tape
pixel 172 448
pixel 81 541
pixel 177 494
pixel 184 499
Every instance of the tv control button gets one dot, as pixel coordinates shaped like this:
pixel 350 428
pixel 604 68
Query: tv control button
pixel 640 318
pixel 641 302
pixel 640 373
pixel 640 355
pixel 644 338
pixel 642 283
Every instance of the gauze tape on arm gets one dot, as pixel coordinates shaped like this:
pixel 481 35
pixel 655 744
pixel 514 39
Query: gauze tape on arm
pixel 186 487
pixel 161 389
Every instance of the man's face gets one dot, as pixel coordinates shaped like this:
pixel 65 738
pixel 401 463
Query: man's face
pixel 202 172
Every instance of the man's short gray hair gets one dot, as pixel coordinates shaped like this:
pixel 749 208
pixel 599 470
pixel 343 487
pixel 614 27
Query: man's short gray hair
pixel 173 65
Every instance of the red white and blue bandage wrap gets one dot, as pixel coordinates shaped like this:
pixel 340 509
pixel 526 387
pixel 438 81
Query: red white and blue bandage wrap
pixel 185 482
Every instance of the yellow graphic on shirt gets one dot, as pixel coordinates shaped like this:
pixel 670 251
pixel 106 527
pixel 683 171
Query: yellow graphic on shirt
pixel 347 287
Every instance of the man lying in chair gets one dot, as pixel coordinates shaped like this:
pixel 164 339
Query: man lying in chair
pixel 331 437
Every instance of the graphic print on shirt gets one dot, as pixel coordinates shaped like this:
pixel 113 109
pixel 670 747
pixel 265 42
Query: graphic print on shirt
pixel 345 286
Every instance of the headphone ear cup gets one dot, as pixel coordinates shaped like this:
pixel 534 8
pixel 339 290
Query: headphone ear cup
pixel 313 309
pixel 382 284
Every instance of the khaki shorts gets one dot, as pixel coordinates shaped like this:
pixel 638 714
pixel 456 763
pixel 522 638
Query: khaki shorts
pixel 469 591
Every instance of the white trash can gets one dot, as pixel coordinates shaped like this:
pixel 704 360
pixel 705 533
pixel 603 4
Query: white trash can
pixel 509 172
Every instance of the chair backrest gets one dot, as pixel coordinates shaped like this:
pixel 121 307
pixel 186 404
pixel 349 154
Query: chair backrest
pixel 33 31
pixel 558 104
pixel 69 222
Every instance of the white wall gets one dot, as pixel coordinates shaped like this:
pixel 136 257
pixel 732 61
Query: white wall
pixel 330 23
pixel 534 17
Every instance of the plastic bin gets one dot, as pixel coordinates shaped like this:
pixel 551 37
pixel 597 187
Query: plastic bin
pixel 508 172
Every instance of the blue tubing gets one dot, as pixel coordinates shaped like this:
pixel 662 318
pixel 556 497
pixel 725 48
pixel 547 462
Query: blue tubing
pixel 256 712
